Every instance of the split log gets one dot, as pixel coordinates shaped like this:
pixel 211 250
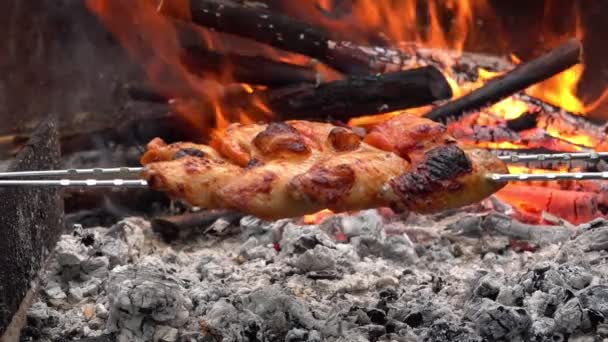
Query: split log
pixel 255 70
pixel 575 128
pixel 360 95
pixel 520 78
pixel 529 140
pixel 597 187
pixel 280 31
pixel 258 70
pixel 539 138
pixel 573 206
pixel 483 133
pixel 341 100
pixel 176 227
pixel 31 223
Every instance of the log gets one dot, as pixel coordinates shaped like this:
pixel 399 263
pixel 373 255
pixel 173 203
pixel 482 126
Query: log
pixel 520 78
pixel 200 59
pixel 573 206
pixel 359 95
pixel 525 121
pixel 341 100
pixel 31 223
pixel 280 31
pixel 256 70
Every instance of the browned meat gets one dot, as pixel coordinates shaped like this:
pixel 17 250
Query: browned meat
pixel 295 168
pixel 409 136
pixel 158 150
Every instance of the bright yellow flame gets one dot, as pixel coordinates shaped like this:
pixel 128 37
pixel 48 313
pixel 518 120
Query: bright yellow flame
pixel 560 90
pixel 578 139
pixel 509 108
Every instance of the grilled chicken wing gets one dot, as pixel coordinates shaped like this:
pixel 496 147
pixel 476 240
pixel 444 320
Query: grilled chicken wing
pixel 295 168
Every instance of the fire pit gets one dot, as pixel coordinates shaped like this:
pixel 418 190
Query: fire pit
pixel 135 264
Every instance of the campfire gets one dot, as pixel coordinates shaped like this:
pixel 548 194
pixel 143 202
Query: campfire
pixel 217 63
pixel 327 170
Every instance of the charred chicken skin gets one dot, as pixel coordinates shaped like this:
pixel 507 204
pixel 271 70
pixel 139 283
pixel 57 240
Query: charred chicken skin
pixel 294 168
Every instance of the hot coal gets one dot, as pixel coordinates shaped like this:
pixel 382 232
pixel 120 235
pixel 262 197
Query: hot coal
pixel 353 277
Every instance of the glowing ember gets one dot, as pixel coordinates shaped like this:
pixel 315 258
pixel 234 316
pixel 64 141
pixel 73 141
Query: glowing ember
pixel 316 218
pixel 509 108
pixel 573 206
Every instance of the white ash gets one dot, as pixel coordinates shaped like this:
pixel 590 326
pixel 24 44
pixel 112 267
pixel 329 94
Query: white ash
pixel 350 278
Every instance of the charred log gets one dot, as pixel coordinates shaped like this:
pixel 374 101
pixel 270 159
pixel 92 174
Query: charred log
pixel 31 224
pixel 340 100
pixel 525 121
pixel 247 69
pixel 574 206
pixel 280 31
pixel 523 76
pixel 357 95
pixel 138 92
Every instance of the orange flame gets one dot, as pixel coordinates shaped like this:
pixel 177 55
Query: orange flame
pixel 143 29
pixel 152 41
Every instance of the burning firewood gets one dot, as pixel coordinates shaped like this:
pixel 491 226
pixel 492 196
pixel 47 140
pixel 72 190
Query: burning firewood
pixel 202 60
pixel 360 95
pixel 573 206
pixel 523 76
pixel 280 31
pixel 254 70
pixel 340 100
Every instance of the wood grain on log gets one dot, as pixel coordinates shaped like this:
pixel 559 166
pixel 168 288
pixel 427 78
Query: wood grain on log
pixel 339 100
pixel 30 222
pixel 360 95
pixel 243 66
pixel 280 31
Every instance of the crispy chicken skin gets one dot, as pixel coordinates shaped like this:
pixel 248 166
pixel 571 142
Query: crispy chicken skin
pixel 409 136
pixel 158 150
pixel 447 178
pixel 349 180
pixel 244 144
pixel 293 168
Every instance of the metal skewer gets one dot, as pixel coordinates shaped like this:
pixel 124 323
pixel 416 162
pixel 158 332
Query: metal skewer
pixel 526 177
pixel 73 172
pixel 86 183
pixel 138 183
pixel 522 158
